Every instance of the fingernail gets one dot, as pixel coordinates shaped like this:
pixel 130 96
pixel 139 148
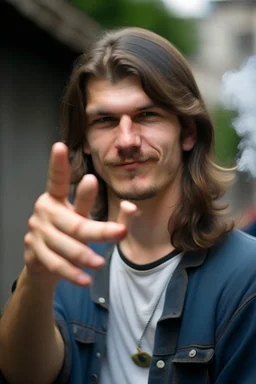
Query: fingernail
pixel 83 279
pixel 115 227
pixel 97 261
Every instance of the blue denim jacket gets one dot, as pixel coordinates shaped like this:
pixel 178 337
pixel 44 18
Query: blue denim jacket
pixel 207 331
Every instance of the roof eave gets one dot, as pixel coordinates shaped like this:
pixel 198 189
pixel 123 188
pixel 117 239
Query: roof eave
pixel 62 20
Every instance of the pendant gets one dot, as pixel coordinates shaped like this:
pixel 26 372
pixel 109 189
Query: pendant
pixel 142 359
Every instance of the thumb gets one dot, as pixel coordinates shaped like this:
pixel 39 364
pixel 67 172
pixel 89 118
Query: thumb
pixel 126 213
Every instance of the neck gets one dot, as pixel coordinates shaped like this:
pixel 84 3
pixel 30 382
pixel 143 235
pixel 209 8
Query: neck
pixel 148 238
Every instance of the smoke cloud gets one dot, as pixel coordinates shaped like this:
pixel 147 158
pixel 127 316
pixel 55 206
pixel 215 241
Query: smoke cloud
pixel 238 92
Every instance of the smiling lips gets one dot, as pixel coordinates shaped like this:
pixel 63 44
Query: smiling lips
pixel 133 165
pixel 130 164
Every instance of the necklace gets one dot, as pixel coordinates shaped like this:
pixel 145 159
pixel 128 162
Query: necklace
pixel 143 359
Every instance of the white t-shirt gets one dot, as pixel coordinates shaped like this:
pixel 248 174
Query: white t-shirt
pixel 134 293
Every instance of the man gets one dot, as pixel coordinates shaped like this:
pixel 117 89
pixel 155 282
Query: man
pixel 172 299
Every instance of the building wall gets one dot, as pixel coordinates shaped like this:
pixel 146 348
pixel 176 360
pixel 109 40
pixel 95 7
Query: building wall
pixel 228 39
pixel 32 77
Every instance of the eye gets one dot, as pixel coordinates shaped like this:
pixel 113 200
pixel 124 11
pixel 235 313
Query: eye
pixel 104 122
pixel 146 117
pixel 147 114
pixel 105 119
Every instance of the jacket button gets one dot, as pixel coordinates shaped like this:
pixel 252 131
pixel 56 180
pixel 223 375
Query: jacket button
pixel 160 364
pixel 94 378
pixel 102 300
pixel 192 353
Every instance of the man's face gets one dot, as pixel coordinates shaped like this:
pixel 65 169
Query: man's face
pixel 135 145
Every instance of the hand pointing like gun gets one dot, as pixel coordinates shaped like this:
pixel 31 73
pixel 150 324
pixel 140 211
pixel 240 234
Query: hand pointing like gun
pixel 55 246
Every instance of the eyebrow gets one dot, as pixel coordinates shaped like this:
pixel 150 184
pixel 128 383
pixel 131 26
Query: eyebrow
pixel 101 111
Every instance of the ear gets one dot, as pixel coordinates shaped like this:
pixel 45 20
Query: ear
pixel 189 135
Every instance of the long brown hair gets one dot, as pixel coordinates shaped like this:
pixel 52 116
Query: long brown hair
pixel 198 221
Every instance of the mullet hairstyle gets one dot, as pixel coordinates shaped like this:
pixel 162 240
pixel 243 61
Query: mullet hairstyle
pixel 198 220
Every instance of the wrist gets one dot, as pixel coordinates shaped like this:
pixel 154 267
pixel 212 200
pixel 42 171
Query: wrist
pixel 36 282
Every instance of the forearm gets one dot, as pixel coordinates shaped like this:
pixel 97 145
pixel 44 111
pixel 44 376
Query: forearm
pixel 31 348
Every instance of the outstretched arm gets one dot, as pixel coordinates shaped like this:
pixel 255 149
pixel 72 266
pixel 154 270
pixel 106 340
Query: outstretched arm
pixel 31 348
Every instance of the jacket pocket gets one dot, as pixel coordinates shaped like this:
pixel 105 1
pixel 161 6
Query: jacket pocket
pixel 84 339
pixel 191 365
pixel 82 333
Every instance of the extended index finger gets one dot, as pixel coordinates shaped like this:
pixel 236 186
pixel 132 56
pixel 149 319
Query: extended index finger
pixel 59 172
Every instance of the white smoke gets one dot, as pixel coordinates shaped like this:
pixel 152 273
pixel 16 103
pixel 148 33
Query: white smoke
pixel 239 93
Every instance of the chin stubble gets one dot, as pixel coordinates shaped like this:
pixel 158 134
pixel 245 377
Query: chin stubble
pixel 136 196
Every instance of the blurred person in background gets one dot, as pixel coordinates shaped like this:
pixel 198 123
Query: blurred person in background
pixel 142 279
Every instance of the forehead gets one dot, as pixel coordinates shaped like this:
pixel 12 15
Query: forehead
pixel 122 96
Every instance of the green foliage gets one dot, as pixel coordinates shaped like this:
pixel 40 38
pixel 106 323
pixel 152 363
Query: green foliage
pixel 226 139
pixel 150 14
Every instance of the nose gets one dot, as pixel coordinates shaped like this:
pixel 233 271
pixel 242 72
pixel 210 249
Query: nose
pixel 128 138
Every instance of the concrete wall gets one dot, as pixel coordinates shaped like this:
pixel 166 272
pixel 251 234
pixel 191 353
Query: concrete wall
pixel 228 38
pixel 32 78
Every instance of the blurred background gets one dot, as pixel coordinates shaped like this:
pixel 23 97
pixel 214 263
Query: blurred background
pixel 39 42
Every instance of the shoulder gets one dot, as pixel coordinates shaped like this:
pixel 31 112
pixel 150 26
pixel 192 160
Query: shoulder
pixel 237 248
pixel 233 266
pixel 235 280
pixel 229 271
pixel 226 282
pixel 232 262
pixel 239 237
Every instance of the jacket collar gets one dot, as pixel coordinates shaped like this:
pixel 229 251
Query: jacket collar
pixel 100 278
pixel 176 288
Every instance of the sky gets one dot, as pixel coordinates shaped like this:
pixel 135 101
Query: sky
pixel 188 7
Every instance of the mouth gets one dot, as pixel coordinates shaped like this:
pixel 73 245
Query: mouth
pixel 131 165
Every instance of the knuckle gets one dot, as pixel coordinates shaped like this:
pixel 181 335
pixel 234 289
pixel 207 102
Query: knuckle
pixel 32 223
pixel 55 267
pixel 77 255
pixel 41 204
pixel 45 231
pixel 28 239
pixel 77 228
